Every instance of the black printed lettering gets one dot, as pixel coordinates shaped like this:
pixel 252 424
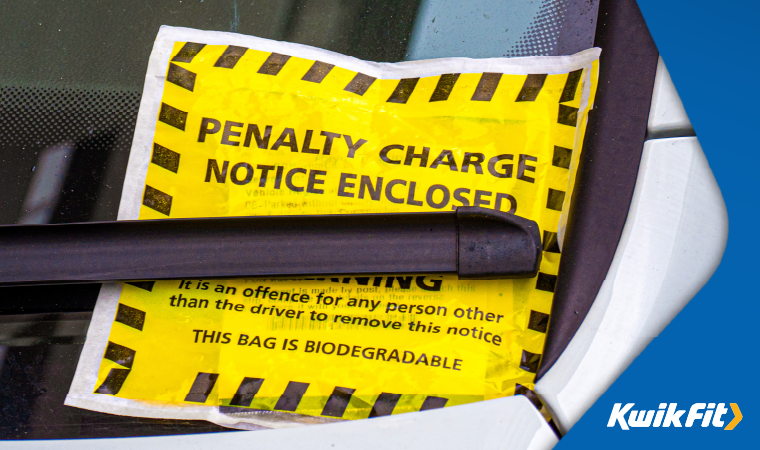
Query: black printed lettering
pixel 328 141
pixel 352 148
pixel 506 169
pixel 287 139
pixel 374 190
pixel 307 144
pixel 522 167
pixel 228 133
pixel 208 126
pixel 344 184
pixel 248 173
pixel 314 181
pixel 289 179
pixel 219 175
pixel 423 156
pixel 384 153
pixel 253 131
pixel 475 160
pixel 389 191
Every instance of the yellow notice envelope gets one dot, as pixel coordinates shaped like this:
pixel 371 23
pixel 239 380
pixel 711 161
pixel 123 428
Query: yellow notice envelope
pixel 237 126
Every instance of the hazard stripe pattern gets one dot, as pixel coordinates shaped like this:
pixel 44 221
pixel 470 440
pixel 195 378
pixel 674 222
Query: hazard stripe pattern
pixel 335 405
pixel 163 157
pixel 550 243
pixel 529 361
pixel 116 377
pixel 157 200
pixel 273 64
pixel 131 317
pixel 317 72
pixel 531 88
pixel 124 356
pixel 561 158
pixel 403 90
pixel 546 282
pixel 571 86
pixel 246 392
pixel 444 87
pixel 113 382
pixel 230 57
pixel 338 402
pixel 360 84
pixel 188 52
pixel 384 404
pixel 145 285
pixel 486 87
pixel 202 386
pixel 181 77
pixel 292 396
pixel 172 116
pixel 532 396
pixel 538 321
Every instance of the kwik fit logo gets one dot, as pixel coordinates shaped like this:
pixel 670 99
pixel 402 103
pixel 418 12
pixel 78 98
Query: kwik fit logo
pixel 668 415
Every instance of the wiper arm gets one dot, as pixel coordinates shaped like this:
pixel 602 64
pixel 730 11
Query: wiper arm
pixel 472 242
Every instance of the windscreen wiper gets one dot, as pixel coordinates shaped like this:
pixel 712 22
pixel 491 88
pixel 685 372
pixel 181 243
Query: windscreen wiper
pixel 472 242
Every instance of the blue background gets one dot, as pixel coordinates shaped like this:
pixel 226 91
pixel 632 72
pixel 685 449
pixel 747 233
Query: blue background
pixel 708 353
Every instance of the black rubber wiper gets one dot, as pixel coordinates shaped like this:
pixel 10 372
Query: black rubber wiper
pixel 474 243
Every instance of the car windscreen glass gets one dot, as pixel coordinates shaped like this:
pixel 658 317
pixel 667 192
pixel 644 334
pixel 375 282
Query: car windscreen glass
pixel 70 87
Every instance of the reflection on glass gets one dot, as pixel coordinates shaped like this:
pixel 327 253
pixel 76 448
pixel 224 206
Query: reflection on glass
pixel 47 182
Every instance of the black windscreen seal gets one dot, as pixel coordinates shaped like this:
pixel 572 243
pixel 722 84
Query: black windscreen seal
pixel 608 169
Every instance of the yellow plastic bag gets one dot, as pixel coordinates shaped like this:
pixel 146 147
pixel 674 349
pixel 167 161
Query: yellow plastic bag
pixel 232 126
